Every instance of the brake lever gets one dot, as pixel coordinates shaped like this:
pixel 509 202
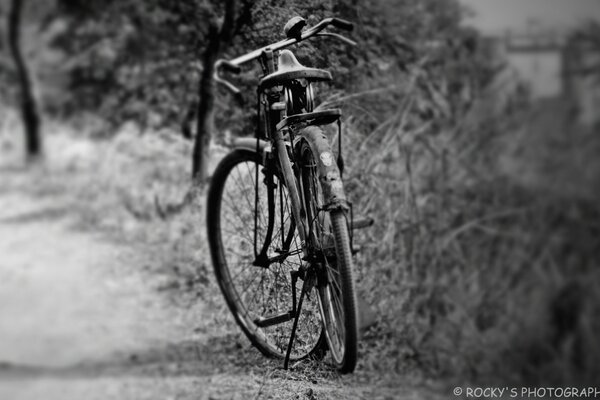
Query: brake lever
pixel 338 36
pixel 233 68
pixel 237 94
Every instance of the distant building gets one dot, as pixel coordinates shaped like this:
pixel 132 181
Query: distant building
pixel 553 66
pixel 538 61
pixel 581 78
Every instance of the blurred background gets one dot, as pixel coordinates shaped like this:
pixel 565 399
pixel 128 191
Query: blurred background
pixel 471 136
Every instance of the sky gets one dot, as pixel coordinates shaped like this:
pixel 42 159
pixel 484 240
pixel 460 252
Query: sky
pixel 496 16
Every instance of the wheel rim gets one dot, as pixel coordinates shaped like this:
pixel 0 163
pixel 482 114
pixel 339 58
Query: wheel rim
pixel 259 291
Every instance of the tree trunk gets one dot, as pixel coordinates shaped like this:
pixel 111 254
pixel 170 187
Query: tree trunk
pixel 29 110
pixel 217 38
pixel 205 112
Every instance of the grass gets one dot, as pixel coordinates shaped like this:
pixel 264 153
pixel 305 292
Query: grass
pixel 477 273
pixel 482 265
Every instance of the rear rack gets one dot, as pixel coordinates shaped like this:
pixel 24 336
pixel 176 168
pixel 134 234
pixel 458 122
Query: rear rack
pixel 323 117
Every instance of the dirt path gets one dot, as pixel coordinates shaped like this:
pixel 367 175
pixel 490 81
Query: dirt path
pixel 69 296
pixel 81 318
pixel 75 304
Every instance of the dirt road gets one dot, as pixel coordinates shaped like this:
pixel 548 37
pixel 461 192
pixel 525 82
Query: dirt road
pixel 81 317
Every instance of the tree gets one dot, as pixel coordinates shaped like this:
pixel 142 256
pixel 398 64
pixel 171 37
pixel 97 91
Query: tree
pixel 29 107
pixel 218 37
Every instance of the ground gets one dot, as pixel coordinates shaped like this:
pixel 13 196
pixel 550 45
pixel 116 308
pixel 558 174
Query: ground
pixel 86 315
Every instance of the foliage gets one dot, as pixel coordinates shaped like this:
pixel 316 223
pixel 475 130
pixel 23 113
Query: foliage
pixel 133 60
pixel 487 244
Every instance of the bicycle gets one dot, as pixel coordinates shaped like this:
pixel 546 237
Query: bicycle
pixel 277 214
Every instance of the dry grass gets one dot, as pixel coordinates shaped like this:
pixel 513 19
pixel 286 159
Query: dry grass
pixel 483 263
pixel 477 270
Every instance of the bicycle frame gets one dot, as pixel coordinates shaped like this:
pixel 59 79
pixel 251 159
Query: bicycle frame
pixel 332 183
pixel 304 189
pixel 271 118
pixel 273 143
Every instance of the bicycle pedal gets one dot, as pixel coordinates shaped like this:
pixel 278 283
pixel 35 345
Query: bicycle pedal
pixel 363 222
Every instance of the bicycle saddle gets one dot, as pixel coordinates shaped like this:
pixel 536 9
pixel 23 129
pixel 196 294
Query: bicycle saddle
pixel 289 69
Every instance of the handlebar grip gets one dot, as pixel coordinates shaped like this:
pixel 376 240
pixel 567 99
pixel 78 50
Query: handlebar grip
pixel 229 67
pixel 342 24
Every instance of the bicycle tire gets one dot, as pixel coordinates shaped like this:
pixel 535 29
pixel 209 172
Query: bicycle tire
pixel 337 298
pixel 267 291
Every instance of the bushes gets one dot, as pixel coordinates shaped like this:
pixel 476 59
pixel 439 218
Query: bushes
pixel 475 274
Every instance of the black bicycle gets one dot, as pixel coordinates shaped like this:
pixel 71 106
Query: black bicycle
pixel 279 223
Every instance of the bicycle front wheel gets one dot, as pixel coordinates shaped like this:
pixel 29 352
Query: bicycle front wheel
pixel 254 247
pixel 330 241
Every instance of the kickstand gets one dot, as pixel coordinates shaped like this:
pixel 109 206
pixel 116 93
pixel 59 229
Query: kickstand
pixel 296 314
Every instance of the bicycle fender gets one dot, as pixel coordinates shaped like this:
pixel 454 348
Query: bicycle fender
pixel 250 144
pixel 329 174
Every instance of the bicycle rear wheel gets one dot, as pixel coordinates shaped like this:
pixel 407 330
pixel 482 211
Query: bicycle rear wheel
pixel 249 216
pixel 329 236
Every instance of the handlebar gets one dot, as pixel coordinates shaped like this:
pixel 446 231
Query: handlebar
pixel 233 66
pixel 342 24
pixel 228 66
